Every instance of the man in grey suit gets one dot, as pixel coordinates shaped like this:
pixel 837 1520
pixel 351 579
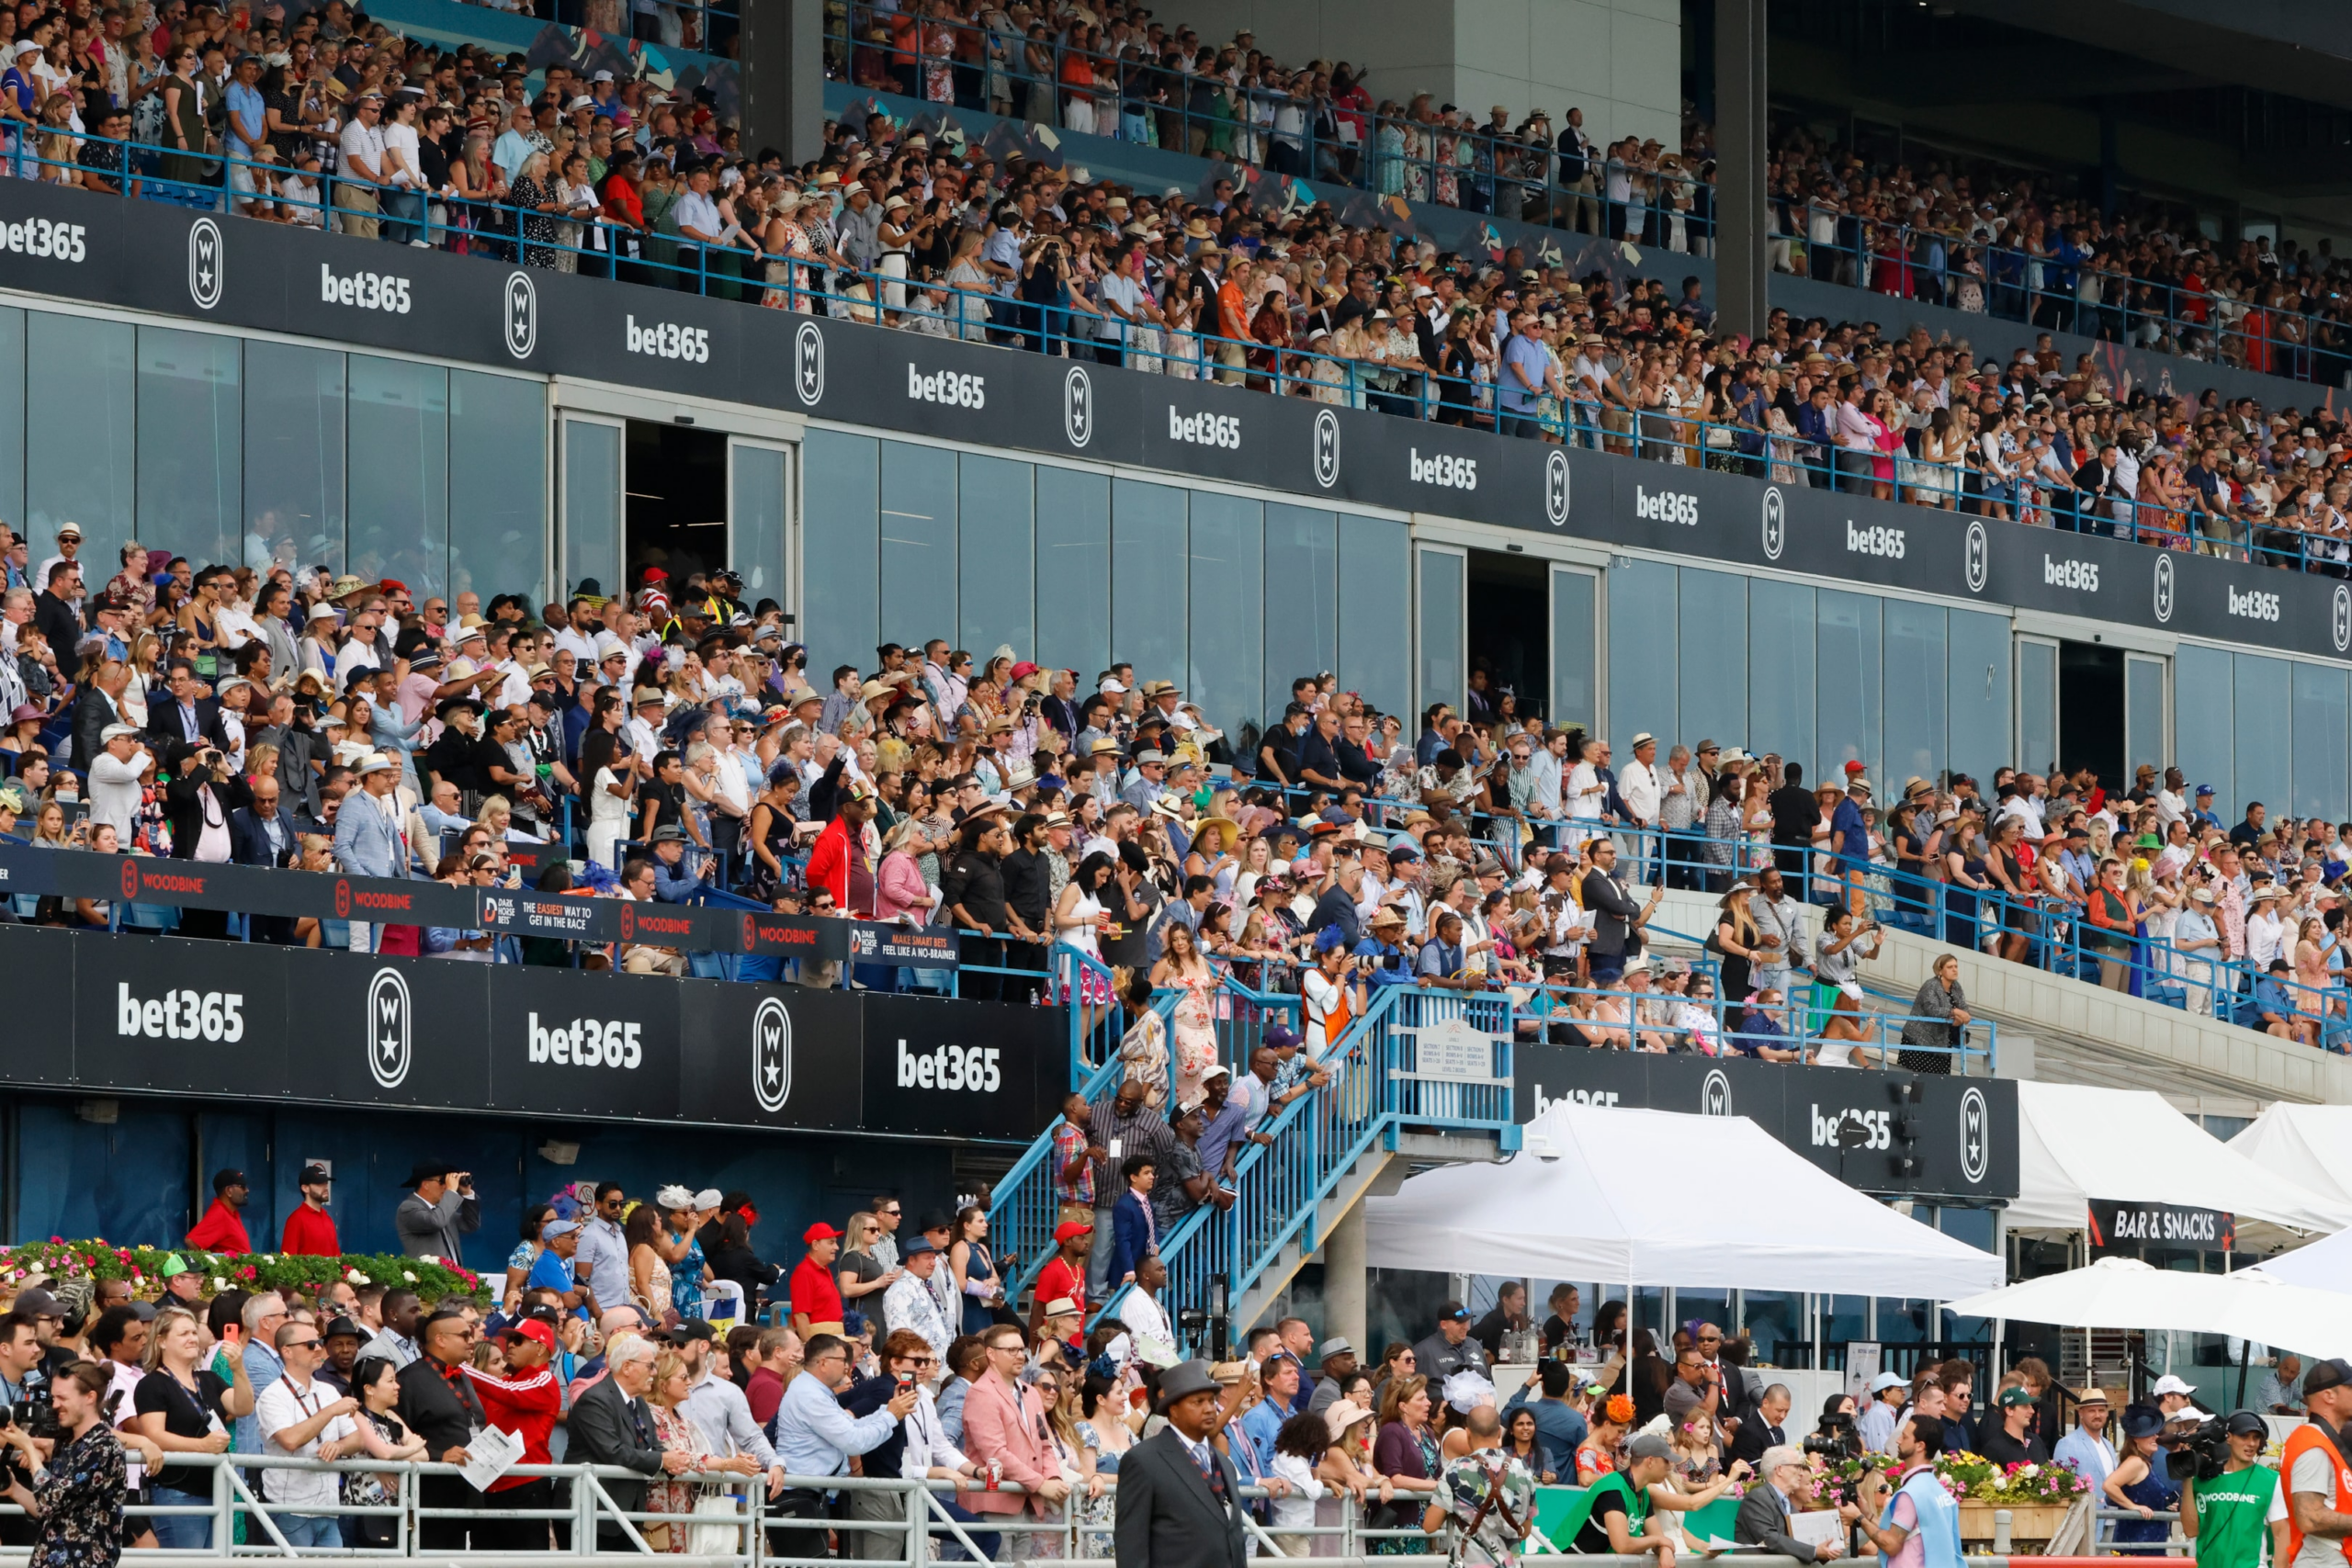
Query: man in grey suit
pixel 1763 1517
pixel 367 840
pixel 612 1425
pixel 1179 1500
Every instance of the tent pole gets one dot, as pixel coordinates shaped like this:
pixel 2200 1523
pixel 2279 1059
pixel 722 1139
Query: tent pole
pixel 2245 1349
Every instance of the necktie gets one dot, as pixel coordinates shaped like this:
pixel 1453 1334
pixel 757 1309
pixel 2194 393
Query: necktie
pixel 1209 1470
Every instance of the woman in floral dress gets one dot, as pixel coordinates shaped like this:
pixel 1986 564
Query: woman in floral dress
pixel 1183 965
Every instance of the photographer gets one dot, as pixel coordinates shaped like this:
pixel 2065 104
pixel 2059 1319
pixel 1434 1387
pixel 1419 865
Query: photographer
pixel 2227 1514
pixel 1836 1438
pixel 199 795
pixel 73 1483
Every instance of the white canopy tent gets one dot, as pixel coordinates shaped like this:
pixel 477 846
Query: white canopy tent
pixel 2311 1144
pixel 2076 1143
pixel 2324 1265
pixel 1598 1195
pixel 2124 1292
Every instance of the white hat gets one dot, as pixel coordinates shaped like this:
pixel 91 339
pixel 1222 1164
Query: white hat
pixel 375 762
pixel 116 731
pixel 2169 1383
pixel 710 1198
pixel 1885 1380
pixel 1111 688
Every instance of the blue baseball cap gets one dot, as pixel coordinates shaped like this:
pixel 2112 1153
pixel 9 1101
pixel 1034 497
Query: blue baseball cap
pixel 2204 790
pixel 555 1228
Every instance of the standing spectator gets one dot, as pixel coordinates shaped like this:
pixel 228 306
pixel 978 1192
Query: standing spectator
pixel 611 1424
pixel 441 1207
pixel 310 1229
pixel 1124 1123
pixel 601 1261
pixel 222 1229
pixel 524 1403
pixel 439 1404
pixel 1449 1349
pixel 183 1406
pixel 814 1436
pixel 816 1298
pixel 300 1413
pixel 2014 1439
pixel 908 1303
pixel 1165 1512
pixel 1004 1423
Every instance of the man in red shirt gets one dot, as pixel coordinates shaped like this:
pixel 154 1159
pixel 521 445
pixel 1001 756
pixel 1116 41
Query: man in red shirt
pixel 779 1352
pixel 524 1403
pixel 1064 1274
pixel 220 1230
pixel 310 1229
pixel 837 861
pixel 816 1297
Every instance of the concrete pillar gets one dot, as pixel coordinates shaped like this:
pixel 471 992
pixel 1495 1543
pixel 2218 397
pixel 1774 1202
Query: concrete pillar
pixel 783 63
pixel 1344 1282
pixel 1741 274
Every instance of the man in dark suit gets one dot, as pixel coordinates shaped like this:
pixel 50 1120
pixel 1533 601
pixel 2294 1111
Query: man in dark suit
pixel 1763 1430
pixel 1178 1501
pixel 100 705
pixel 184 715
pixel 263 833
pixel 611 1425
pixel 440 1405
pixel 1763 1518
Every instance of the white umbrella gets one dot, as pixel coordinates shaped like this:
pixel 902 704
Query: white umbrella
pixel 2124 1292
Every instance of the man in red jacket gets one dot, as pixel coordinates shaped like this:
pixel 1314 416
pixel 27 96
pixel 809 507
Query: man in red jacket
pixel 525 1404
pixel 221 1230
pixel 310 1229
pixel 840 862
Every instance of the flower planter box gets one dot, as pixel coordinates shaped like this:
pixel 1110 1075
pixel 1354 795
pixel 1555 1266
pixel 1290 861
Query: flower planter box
pixel 2031 1525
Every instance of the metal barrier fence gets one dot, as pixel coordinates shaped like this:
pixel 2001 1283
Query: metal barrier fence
pixel 1991 473
pixel 735 1524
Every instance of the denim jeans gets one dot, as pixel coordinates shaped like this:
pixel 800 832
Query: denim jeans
pixel 307 1529
pixel 181 1531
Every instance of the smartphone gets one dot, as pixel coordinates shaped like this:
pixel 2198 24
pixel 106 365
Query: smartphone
pixel 231 1334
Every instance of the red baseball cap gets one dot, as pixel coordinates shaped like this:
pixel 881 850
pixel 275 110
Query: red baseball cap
pixel 530 1328
pixel 1069 1228
pixel 391 585
pixel 820 1230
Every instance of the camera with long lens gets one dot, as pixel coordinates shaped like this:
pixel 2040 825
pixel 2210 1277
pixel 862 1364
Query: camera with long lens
pixel 1837 1439
pixel 2202 1454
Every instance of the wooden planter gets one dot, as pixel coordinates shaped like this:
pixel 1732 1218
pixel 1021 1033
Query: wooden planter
pixel 2031 1525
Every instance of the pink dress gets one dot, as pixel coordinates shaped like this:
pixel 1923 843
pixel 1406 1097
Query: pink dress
pixel 1195 1038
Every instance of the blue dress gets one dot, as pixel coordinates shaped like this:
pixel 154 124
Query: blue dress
pixel 2153 1490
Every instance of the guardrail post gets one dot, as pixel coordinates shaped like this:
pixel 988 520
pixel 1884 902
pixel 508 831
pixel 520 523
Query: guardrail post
pixel 918 1541
pixel 2000 1532
pixel 583 1517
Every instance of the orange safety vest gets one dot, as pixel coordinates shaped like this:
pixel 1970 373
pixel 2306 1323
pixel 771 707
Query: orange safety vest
pixel 2304 1438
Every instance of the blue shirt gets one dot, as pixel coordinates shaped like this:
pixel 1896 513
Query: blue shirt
pixel 1853 838
pixel 551 1272
pixel 1528 355
pixel 1437 959
pixel 245 107
pixel 814 1436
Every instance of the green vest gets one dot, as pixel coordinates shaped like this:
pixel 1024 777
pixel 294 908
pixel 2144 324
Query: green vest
pixel 2231 1509
pixel 1637 1508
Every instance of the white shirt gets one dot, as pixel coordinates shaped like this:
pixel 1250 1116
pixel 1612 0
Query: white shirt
pixel 1586 792
pixel 403 169
pixel 356 655
pixel 1149 1324
pixel 1642 790
pixel 582 646
pixel 282 1406
pixel 365 142
pixel 114 790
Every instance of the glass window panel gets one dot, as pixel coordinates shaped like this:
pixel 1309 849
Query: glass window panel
pixel 2264 736
pixel 1441 641
pixel 1780 671
pixel 1074 570
pixel 191 447
pixel 1376 611
pixel 1846 681
pixel 2319 721
pixel 918 543
pixel 1227 655
pixel 294 456
pixel 841 606
pixel 1915 692
pixel 81 451
pixel 498 462
pixel 1148 578
pixel 2203 689
pixel 2037 706
pixel 400 473
pixel 1576 648
pixel 1302 586
pixel 2143 704
pixel 12 412
pixel 1712 643
pixel 759 503
pixel 1977 677
pixel 591 503
pixel 1641 652
pixel 994 498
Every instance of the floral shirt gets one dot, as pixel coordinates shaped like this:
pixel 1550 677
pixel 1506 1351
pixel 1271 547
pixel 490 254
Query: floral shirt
pixel 81 1502
pixel 1496 1492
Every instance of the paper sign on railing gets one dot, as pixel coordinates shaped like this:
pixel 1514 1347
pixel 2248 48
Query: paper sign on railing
pixel 1456 1049
pixel 490 1452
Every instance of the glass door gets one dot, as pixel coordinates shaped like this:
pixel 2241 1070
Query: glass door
pixel 2145 706
pixel 592 504
pixel 1441 626
pixel 1576 648
pixel 761 543
pixel 2037 709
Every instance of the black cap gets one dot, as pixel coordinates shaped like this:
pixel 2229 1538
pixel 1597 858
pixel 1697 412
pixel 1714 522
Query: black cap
pixel 228 1176
pixel 2243 1422
pixel 1453 1312
pixel 693 1328
pixel 2333 1372
pixel 314 1174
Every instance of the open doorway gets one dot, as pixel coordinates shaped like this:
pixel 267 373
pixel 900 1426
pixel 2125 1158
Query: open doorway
pixel 676 482
pixel 2091 710
pixel 1510 629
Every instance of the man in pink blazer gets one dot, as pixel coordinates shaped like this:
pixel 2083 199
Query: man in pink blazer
pixel 1005 1422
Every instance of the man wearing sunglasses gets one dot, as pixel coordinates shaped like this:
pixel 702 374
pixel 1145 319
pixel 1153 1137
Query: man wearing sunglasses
pixel 302 1415
pixel 602 1260
pixel 918 1448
